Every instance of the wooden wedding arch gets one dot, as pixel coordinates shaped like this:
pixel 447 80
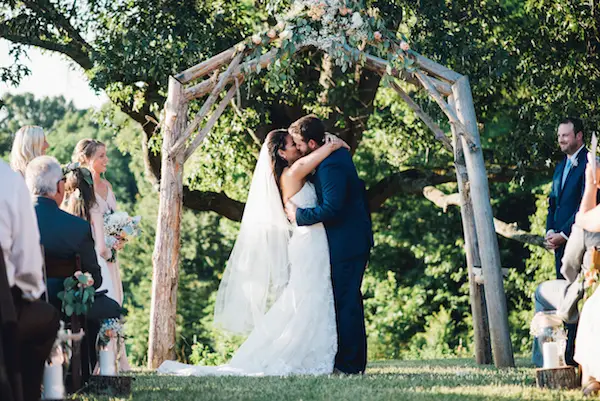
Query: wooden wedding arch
pixel 449 89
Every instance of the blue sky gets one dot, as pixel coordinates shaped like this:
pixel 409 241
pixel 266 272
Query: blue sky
pixel 52 75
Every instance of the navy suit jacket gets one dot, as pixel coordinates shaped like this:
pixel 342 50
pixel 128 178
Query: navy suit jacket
pixel 64 235
pixel 564 202
pixel 342 208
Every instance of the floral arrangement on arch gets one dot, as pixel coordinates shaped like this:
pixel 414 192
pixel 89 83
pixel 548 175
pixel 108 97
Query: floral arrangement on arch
pixel 78 294
pixel 337 27
pixel 119 227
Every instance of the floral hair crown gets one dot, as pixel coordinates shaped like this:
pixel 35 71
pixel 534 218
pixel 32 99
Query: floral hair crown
pixel 76 166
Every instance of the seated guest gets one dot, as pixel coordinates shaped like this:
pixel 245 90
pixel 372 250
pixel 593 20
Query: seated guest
pixel 38 322
pixel 29 143
pixel 587 348
pixel 64 235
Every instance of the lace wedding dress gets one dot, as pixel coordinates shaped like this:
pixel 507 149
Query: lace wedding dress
pixel 297 335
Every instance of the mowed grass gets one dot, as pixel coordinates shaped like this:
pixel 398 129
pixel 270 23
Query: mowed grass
pixel 447 379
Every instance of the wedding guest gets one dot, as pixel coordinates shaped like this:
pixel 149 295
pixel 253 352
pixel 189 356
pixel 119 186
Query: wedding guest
pixel 29 143
pixel 64 235
pixel 38 322
pixel 91 154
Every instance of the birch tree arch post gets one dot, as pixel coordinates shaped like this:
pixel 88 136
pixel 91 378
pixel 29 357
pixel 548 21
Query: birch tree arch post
pixel 350 35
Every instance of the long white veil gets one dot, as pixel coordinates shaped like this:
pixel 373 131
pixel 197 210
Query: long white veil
pixel 258 267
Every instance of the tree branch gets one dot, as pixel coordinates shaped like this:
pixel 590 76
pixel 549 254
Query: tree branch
pixel 507 230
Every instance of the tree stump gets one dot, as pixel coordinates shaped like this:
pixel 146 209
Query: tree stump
pixel 557 378
pixel 110 385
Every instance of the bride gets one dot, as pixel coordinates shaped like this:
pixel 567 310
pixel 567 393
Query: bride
pixel 277 284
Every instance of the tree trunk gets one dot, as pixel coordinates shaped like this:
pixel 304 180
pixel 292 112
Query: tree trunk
pixel 564 377
pixel 484 225
pixel 166 250
pixel 483 352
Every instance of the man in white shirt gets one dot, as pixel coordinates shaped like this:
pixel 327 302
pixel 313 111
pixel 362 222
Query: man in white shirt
pixel 38 322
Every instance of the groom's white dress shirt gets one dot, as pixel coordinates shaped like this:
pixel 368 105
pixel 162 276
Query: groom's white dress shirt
pixel 19 235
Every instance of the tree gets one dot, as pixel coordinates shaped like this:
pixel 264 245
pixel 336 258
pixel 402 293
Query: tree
pixel 130 48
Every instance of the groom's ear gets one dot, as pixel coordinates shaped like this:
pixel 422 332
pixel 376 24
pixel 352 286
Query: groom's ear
pixel 312 144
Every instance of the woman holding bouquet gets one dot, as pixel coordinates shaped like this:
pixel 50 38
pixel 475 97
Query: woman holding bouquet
pixel 91 154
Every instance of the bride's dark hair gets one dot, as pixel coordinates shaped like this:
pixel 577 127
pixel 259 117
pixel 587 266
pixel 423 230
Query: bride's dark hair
pixel 276 142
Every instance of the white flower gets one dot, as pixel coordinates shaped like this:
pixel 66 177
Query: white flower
pixel 256 39
pixel 287 34
pixel 575 162
pixel 357 21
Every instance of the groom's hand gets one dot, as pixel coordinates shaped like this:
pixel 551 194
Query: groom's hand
pixel 290 210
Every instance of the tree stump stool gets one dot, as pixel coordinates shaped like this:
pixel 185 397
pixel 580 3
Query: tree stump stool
pixel 557 378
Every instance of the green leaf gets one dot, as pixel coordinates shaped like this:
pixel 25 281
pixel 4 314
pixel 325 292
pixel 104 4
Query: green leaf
pixel 69 310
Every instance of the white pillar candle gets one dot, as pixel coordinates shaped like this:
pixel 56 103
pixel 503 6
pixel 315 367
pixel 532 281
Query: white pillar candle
pixel 550 352
pixel 107 363
pixel 54 388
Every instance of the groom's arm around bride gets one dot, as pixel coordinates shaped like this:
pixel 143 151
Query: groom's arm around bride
pixel 342 209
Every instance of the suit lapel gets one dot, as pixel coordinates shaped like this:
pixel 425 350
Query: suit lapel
pixel 558 178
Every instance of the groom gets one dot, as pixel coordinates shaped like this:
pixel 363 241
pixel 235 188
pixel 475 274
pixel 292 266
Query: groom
pixel 344 211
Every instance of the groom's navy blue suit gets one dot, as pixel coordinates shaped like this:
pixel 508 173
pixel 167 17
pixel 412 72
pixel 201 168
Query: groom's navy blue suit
pixel 344 211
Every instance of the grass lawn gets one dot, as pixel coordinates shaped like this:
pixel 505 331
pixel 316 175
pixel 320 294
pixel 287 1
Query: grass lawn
pixel 447 379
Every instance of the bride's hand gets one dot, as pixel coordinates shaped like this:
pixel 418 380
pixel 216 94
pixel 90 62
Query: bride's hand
pixel 335 142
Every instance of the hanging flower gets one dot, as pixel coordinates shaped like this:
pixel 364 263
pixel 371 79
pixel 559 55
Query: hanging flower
pixel 256 39
pixel 378 36
pixel 280 26
pixel 344 11
pixel 272 34
pixel 316 12
pixel 286 35
pixel 404 46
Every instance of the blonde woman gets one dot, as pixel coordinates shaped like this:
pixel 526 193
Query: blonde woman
pixel 91 154
pixel 30 142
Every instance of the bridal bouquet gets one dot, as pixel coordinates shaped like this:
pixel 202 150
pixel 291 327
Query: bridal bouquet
pixel 118 228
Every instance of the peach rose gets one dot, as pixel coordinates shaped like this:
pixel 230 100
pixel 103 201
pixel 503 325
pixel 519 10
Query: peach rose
pixel 256 39
pixel 378 36
pixel 272 34
pixel 404 46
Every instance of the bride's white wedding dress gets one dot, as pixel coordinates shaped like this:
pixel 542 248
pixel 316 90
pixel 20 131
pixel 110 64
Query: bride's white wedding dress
pixel 297 335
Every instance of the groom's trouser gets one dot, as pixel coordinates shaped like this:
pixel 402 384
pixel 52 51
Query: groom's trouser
pixel 346 278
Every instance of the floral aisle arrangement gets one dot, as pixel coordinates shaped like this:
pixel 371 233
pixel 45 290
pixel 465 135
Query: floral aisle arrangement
pixel 60 355
pixel 592 275
pixel 111 329
pixel 119 227
pixel 78 294
pixel 548 328
pixel 337 27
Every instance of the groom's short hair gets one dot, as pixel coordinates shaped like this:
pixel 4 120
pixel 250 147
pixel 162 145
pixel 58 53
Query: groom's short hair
pixel 309 127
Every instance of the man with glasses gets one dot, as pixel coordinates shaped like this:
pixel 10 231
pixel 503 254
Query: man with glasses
pixel 64 235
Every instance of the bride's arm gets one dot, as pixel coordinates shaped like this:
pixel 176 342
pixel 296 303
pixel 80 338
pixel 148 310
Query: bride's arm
pixel 305 165
pixel 100 243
